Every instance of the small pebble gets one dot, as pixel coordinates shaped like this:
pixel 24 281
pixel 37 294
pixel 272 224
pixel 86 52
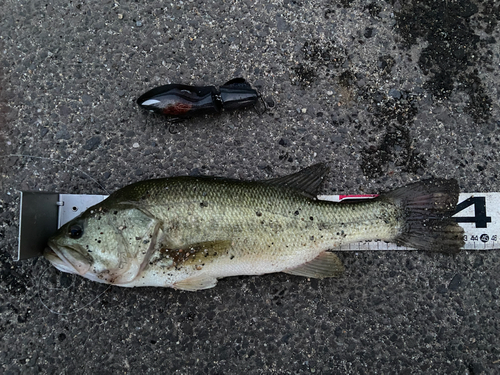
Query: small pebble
pixel 135 145
pixel 304 110
pixel 396 94
pixel 329 93
pixel 120 16
pixel 138 24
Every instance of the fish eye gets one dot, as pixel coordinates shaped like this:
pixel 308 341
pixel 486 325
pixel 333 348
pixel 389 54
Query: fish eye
pixel 75 231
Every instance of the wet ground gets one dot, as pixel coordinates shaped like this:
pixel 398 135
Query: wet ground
pixel 384 92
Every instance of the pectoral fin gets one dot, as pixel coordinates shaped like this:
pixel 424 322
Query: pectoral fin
pixel 196 253
pixel 213 248
pixel 326 264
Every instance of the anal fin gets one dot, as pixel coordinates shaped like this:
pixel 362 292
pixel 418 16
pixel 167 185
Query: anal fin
pixel 196 283
pixel 326 264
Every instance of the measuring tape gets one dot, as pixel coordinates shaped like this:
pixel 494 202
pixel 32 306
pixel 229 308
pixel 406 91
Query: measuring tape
pixel 477 213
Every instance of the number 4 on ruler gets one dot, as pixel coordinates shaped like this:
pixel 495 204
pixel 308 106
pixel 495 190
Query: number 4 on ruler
pixel 479 217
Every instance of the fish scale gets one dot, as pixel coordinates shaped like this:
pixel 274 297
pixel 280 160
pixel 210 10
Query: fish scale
pixel 235 209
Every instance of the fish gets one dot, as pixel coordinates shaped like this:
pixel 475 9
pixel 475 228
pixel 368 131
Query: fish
pixel 187 232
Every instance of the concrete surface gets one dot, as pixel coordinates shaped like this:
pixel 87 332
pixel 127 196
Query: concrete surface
pixel 385 92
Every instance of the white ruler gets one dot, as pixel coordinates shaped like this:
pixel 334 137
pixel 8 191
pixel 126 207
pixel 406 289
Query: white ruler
pixel 477 213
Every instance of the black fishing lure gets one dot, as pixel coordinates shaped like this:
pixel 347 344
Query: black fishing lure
pixel 186 101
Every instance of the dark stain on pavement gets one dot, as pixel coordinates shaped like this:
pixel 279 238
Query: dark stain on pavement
pixel 318 55
pixel 395 114
pixel 454 49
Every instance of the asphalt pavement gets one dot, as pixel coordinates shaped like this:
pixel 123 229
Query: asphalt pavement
pixel 386 93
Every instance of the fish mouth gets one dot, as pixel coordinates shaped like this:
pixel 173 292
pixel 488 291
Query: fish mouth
pixel 66 259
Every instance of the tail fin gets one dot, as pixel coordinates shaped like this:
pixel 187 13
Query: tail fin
pixel 427 207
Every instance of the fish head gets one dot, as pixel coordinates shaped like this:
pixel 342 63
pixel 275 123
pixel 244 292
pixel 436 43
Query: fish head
pixel 67 250
pixel 105 245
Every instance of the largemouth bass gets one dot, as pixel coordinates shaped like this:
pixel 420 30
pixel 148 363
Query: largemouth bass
pixel 187 232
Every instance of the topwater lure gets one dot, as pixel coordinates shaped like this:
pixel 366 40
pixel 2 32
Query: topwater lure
pixel 180 101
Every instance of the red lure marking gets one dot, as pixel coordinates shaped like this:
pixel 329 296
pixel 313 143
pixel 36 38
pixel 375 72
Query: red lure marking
pixel 359 196
pixel 177 109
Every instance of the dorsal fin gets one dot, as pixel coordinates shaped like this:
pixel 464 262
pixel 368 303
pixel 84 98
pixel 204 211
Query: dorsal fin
pixel 307 181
